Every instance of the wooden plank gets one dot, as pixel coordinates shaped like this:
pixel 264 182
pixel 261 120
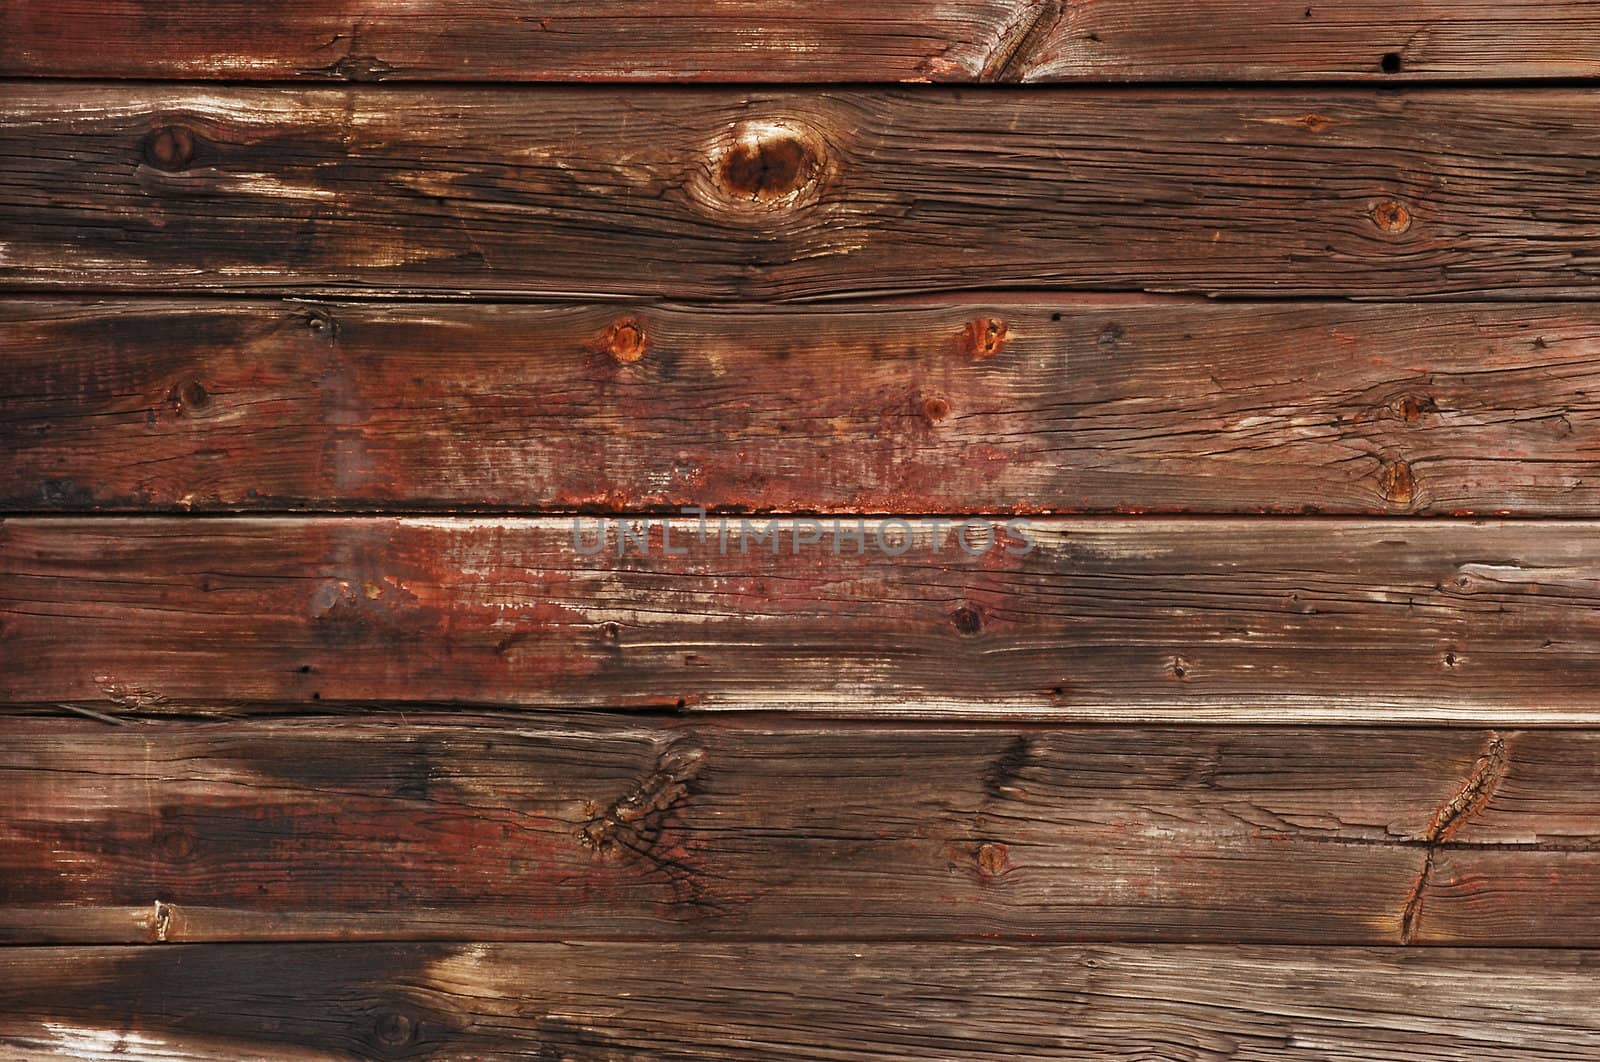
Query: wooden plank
pixel 603 1001
pixel 488 828
pixel 790 40
pixel 1273 619
pixel 1016 407
pixel 726 193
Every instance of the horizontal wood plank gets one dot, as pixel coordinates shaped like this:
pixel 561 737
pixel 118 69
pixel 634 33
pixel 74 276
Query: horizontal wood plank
pixel 1065 405
pixel 802 40
pixel 488 828
pixel 726 193
pixel 600 1002
pixel 1492 622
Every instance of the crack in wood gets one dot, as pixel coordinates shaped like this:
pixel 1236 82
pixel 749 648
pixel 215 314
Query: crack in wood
pixel 1008 62
pixel 1479 787
pixel 638 823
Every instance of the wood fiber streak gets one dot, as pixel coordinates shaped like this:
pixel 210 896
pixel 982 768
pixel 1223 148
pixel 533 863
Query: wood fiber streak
pixel 482 829
pixel 1291 619
pixel 912 1002
pixel 727 193
pixel 801 40
pixel 1063 406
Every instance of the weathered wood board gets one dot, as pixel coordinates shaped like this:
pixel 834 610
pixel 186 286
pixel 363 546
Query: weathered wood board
pixel 1292 619
pixel 447 827
pixel 1076 404
pixel 596 1002
pixel 802 40
pixel 1151 602
pixel 721 193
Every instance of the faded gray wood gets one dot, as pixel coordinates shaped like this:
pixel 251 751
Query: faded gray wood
pixel 849 1003
pixel 728 193
pixel 526 829
pixel 1069 404
pixel 1292 619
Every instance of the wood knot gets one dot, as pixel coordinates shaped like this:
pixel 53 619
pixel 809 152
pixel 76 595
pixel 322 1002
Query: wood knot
pixel 175 845
pixel 625 340
pixel 984 337
pixel 967 620
pixel 1398 485
pixel 767 164
pixel 993 860
pixel 393 1028
pixel 1391 216
pixel 936 409
pixel 170 148
pixel 191 397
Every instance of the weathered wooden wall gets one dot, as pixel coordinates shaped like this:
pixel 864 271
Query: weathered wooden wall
pixel 1266 725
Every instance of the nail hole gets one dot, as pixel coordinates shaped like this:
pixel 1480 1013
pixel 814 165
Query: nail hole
pixel 1390 63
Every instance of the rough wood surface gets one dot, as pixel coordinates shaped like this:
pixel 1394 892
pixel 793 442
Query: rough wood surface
pixel 725 193
pixel 1073 404
pixel 607 1001
pixel 801 40
pixel 488 828
pixel 1491 622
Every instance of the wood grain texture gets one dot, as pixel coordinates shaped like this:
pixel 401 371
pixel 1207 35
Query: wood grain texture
pixel 802 40
pixel 488 828
pixel 1279 619
pixel 603 1002
pixel 1065 405
pixel 727 193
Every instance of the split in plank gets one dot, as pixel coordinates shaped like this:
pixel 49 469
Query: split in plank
pixel 1077 404
pixel 535 828
pixel 701 193
pixel 1298 619
pixel 801 40
pixel 602 1001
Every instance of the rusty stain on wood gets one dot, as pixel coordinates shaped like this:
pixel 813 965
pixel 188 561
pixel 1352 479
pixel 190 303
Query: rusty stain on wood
pixel 1148 619
pixel 1036 406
